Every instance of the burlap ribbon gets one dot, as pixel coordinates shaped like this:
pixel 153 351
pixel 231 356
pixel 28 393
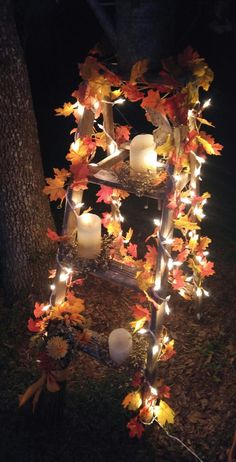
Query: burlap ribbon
pixel 50 379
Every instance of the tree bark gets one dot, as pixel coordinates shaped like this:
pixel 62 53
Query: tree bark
pixel 144 30
pixel 25 212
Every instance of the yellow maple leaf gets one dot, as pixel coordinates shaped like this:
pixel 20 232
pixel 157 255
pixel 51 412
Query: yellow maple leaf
pixel 138 69
pixel 101 140
pixel 78 151
pixel 204 121
pixel 138 324
pixel 207 146
pixel 128 235
pixel 114 228
pixel 144 280
pixel 184 223
pixel 164 414
pixel 166 147
pixel 100 88
pixel 116 94
pixel 120 193
pixel 132 401
pixel 66 110
pixel 55 186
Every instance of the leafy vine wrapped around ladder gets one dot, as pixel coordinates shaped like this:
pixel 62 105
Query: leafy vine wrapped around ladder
pixel 176 254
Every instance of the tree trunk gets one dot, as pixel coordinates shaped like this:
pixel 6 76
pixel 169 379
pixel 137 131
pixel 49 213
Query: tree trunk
pixel 144 30
pixel 25 213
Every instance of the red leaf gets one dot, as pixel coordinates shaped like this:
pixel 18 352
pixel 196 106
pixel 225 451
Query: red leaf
pixel 135 428
pixel 164 391
pixel 131 92
pixel 187 57
pixel 151 256
pixel 137 379
pixel 104 194
pixel 106 218
pixel 122 134
pixel 140 312
pixel 34 325
pixel 153 101
pixel 55 237
pixel 178 279
pixel 38 309
pixel 176 109
pixel 132 250
pixel 183 255
pixel 80 171
pixel 206 268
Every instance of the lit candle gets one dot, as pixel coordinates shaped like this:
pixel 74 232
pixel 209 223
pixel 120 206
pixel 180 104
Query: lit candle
pixel 120 345
pixel 89 228
pixel 143 156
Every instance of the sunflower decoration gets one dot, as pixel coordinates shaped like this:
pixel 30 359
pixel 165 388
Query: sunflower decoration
pixel 57 347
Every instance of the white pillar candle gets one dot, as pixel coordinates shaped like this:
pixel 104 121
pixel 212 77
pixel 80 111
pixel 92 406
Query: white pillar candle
pixel 120 345
pixel 89 228
pixel 143 156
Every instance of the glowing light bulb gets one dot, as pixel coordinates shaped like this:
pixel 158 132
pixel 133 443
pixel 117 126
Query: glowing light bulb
pixel 142 331
pixel 153 390
pixel 77 206
pixel 157 221
pixel 96 105
pixel 119 101
pixel 167 309
pixel 168 241
pixel 199 292
pixel 166 339
pixel 52 286
pixel 80 108
pixel 170 264
pixel 46 308
pixel 155 349
pixel 206 103
pixel 206 293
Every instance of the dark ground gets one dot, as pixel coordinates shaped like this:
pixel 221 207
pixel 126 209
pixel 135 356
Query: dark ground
pixel 203 373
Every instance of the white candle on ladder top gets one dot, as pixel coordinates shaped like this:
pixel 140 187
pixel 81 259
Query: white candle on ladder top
pixel 89 229
pixel 143 157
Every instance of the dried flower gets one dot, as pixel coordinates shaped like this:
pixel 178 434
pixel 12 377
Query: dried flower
pixel 57 347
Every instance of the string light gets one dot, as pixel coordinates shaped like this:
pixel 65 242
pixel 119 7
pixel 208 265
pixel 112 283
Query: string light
pixel 157 221
pixel 142 331
pixel 206 103
pixel 52 287
pixel 199 292
pixel 46 307
pixel 153 390
pixel 167 309
pixel 155 349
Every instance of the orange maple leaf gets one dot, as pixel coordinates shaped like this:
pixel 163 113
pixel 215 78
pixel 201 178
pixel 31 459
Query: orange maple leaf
pixel 150 257
pixel 178 279
pixel 139 312
pixel 55 237
pixel 209 145
pixel 206 268
pixel 34 325
pixel 131 92
pixel 132 250
pixel 138 69
pixel 153 101
pixel 55 186
pixel 66 110
pixel 78 151
pixel 177 244
pixel 168 351
pixel 122 134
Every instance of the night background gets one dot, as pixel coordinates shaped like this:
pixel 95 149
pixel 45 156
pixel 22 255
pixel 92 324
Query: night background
pixel 55 37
